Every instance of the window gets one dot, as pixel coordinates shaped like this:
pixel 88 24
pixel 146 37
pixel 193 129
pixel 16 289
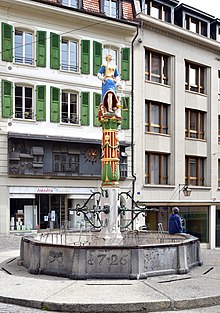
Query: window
pixel 69 108
pixel 123 163
pixel 219 85
pixel 196 25
pixel 111 51
pixel 156 169
pixel 194 78
pixel 156 117
pixel 218 173
pixel 69 55
pixel 157 10
pixel 70 3
pixel 219 129
pixel 194 124
pixel 194 171
pixel 156 67
pixel 111 8
pixel 23 47
pixel 66 163
pixel 24 102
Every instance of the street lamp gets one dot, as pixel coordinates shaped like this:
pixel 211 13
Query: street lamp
pixel 185 189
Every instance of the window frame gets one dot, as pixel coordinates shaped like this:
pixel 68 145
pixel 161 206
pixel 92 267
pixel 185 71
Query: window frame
pixel 198 85
pixel 110 12
pixel 151 58
pixel 199 178
pixel 163 108
pixel 164 12
pixel 23 46
pixel 115 55
pixel 201 27
pixel 69 120
pixel 199 132
pixel 69 4
pixel 25 115
pixel 162 168
pixel 68 66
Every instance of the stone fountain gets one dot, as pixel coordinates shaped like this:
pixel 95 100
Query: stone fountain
pixel 106 251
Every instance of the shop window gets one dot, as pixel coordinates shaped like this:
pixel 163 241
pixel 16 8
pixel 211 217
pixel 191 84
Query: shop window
pixel 23 47
pixel 194 169
pixel 157 10
pixel 194 124
pixel 69 108
pixel 156 67
pixel 196 26
pixel 24 102
pixel 66 163
pixel 111 8
pixel 156 117
pixel 69 60
pixel 70 3
pixel 195 80
pixel 156 169
pixel 196 222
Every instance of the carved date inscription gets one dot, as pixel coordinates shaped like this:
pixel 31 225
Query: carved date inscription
pixel 108 259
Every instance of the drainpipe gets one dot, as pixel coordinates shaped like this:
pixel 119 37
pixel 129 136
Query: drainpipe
pixel 132 121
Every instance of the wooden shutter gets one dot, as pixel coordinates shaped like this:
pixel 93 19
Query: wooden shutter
pixel 85 56
pixel 125 64
pixel 125 113
pixel 7 42
pixel 41 48
pixel 54 51
pixel 96 102
pixel 54 104
pixel 41 103
pixel 7 99
pixel 85 108
pixel 97 57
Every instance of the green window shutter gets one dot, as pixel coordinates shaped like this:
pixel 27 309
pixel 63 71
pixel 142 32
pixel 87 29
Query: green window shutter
pixel 85 108
pixel 54 51
pixel 97 57
pixel 54 104
pixel 7 42
pixel 41 103
pixel 85 56
pixel 96 102
pixel 125 64
pixel 7 99
pixel 41 48
pixel 125 113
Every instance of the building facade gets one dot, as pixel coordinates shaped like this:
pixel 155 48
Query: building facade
pixel 50 137
pixel 177 114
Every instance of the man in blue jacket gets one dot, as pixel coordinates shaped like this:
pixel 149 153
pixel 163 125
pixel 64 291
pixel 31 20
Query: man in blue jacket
pixel 175 223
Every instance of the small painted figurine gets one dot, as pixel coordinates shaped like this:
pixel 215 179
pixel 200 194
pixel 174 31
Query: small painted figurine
pixel 110 78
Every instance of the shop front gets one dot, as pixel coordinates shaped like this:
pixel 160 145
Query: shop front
pixel 36 208
pixel 195 220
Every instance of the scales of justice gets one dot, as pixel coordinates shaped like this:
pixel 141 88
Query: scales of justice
pixel 109 250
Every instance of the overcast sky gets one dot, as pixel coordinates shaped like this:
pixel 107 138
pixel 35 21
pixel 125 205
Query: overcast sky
pixel 209 6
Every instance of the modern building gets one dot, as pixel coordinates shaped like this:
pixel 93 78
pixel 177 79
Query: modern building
pixel 177 116
pixel 50 137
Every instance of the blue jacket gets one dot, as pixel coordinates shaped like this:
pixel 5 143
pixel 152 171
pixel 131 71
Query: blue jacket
pixel 175 224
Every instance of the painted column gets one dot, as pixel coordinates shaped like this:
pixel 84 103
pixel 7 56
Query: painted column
pixel 110 178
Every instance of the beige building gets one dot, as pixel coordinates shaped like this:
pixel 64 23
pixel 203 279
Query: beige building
pixel 176 116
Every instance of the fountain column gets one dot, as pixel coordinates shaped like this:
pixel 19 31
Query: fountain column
pixel 110 177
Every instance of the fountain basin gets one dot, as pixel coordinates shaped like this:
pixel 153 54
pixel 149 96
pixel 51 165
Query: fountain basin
pixel 140 254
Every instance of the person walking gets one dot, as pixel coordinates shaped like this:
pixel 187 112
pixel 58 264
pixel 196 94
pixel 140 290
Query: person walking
pixel 175 222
